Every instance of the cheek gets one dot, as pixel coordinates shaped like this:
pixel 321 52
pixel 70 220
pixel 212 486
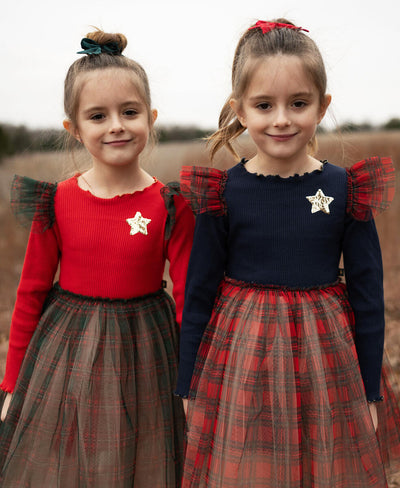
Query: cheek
pixel 260 121
pixel 146 129
pixel 310 120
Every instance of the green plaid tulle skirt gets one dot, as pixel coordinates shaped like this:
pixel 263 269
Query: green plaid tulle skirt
pixel 94 403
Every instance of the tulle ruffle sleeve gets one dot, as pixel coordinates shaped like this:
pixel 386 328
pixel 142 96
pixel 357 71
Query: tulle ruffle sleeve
pixel 168 192
pixel 203 189
pixel 370 187
pixel 32 201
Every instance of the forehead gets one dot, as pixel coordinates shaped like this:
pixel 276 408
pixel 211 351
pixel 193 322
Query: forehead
pixel 279 75
pixel 108 85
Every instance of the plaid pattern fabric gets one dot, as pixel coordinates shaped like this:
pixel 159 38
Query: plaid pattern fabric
pixel 33 201
pixel 168 192
pixel 371 187
pixel 203 189
pixel 277 399
pixel 93 406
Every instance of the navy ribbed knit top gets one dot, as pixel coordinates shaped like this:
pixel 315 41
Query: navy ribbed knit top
pixel 273 232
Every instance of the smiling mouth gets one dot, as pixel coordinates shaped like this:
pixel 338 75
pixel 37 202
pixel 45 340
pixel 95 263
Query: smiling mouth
pixel 119 142
pixel 282 137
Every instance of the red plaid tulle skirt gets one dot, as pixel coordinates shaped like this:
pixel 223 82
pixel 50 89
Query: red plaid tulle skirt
pixel 94 406
pixel 277 399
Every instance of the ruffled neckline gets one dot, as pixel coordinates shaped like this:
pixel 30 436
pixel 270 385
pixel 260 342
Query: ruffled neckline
pixel 116 197
pixel 295 177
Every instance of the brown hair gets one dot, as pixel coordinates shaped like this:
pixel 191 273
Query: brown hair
pixel 252 46
pixel 92 62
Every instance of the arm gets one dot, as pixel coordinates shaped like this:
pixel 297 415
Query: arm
pixel 40 266
pixel 205 272
pixel 364 278
pixel 178 248
pixel 6 405
pixel 370 189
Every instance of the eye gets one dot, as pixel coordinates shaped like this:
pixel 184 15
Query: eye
pixel 299 104
pixel 98 116
pixel 264 106
pixel 130 112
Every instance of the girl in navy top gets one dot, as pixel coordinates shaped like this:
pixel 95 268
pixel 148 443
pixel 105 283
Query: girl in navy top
pixel 287 389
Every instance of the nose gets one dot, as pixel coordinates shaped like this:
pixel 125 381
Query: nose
pixel 281 118
pixel 116 125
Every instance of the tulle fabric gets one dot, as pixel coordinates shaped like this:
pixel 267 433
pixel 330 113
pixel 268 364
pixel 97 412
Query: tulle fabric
pixel 33 201
pixel 371 185
pixel 203 189
pixel 277 399
pixel 168 193
pixel 93 405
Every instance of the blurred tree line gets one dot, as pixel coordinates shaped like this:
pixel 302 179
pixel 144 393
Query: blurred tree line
pixel 392 124
pixel 179 133
pixel 18 139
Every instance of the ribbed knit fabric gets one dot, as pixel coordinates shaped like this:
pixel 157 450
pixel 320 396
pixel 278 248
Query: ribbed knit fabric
pixel 270 235
pixel 91 242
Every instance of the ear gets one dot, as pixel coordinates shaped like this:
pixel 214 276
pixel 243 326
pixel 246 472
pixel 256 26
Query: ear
pixel 69 127
pixel 154 115
pixel 235 106
pixel 324 107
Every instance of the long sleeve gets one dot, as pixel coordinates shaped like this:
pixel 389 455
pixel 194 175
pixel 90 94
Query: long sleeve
pixel 370 190
pixel 206 270
pixel 364 279
pixel 178 248
pixel 40 266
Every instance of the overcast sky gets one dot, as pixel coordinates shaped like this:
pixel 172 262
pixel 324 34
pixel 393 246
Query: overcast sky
pixel 187 48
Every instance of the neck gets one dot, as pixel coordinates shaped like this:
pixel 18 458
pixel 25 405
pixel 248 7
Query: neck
pixel 108 182
pixel 282 167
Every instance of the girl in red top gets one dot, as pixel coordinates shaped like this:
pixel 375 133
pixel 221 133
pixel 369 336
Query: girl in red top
pixel 92 359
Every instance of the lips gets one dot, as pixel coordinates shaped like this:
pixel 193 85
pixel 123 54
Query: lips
pixel 281 137
pixel 119 142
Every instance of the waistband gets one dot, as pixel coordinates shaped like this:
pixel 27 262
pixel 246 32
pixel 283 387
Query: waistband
pixel 261 286
pixel 62 293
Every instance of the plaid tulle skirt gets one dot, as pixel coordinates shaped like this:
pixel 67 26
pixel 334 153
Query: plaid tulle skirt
pixel 277 399
pixel 93 406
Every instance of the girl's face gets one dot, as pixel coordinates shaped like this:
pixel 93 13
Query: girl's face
pixel 112 120
pixel 281 109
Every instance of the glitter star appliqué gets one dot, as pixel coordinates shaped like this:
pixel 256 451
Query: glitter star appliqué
pixel 320 202
pixel 138 224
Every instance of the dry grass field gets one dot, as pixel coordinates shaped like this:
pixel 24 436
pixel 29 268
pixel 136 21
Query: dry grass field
pixel 164 162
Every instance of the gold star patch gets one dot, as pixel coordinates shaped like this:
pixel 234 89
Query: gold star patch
pixel 138 224
pixel 320 202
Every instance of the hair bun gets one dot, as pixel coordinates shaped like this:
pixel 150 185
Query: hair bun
pixel 103 38
pixel 282 20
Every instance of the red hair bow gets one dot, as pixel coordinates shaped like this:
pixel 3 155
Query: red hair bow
pixel 269 26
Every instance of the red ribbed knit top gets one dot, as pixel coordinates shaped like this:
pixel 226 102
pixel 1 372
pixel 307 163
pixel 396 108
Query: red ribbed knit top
pixel 114 248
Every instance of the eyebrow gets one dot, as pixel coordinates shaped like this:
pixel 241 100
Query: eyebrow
pixel 306 94
pixel 129 103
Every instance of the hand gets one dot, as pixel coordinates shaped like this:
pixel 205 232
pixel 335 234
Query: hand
pixel 374 414
pixel 6 404
pixel 185 402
